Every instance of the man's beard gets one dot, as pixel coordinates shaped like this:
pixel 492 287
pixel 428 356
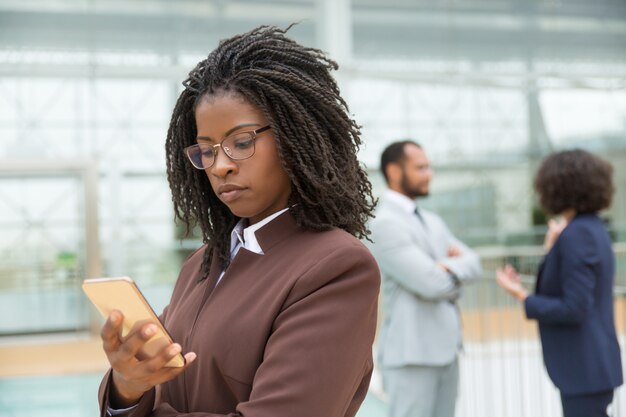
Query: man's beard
pixel 413 193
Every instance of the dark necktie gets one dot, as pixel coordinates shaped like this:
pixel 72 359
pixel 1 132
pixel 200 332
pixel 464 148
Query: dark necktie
pixel 419 216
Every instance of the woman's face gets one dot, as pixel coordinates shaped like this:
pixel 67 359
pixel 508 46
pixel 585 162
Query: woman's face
pixel 252 188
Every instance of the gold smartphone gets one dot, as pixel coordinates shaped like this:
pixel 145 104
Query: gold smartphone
pixel 121 293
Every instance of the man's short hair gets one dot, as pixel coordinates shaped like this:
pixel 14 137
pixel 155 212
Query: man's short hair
pixel 394 153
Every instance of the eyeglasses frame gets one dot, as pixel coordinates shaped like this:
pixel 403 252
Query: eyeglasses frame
pixel 254 134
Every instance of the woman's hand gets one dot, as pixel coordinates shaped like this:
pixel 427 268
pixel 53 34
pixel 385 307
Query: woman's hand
pixel 510 281
pixel 555 227
pixel 133 377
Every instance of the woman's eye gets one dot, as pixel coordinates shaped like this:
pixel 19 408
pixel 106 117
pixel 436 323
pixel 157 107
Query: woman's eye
pixel 243 143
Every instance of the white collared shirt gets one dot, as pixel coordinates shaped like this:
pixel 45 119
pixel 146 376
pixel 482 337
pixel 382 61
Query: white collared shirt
pixel 405 202
pixel 246 237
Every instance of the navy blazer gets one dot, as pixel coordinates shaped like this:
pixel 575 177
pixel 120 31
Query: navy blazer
pixel 573 305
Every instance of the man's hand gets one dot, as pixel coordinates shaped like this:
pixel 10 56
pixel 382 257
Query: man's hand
pixel 454 251
pixel 443 267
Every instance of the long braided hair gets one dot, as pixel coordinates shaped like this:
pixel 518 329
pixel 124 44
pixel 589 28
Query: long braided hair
pixel 317 140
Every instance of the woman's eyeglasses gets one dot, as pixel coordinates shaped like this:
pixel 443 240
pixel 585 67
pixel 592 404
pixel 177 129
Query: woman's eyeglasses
pixel 239 146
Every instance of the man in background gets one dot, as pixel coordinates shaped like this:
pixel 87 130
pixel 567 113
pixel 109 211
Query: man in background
pixel 424 267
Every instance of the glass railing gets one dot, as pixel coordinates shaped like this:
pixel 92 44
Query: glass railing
pixel 502 372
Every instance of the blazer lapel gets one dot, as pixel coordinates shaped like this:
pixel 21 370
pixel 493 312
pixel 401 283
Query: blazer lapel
pixel 421 228
pixel 425 235
pixel 542 267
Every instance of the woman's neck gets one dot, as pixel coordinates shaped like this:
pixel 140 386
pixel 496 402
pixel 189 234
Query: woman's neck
pixel 568 214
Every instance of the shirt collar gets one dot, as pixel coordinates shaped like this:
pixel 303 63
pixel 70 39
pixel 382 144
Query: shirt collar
pixel 400 199
pixel 246 237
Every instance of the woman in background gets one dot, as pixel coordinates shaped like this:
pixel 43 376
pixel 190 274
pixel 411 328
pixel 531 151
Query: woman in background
pixel 573 301
pixel 277 310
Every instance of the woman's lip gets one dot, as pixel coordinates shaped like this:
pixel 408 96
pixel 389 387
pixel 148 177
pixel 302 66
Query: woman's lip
pixel 233 194
pixel 224 188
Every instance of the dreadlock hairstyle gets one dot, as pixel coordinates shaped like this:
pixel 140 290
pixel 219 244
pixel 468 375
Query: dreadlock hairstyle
pixel 317 141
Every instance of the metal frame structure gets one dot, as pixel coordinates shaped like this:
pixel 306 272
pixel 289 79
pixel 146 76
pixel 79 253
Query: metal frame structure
pixel 472 52
pixel 88 173
pixel 526 46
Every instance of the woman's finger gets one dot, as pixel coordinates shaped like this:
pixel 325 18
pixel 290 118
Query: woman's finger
pixel 158 362
pixel 111 330
pixel 136 339
pixel 167 374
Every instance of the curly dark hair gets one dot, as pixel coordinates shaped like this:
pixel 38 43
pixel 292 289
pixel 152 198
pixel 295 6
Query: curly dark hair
pixel 574 179
pixel 316 138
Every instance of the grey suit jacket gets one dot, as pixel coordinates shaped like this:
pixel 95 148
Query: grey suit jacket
pixel 421 324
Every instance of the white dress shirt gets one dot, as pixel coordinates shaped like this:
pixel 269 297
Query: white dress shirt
pixel 405 202
pixel 245 236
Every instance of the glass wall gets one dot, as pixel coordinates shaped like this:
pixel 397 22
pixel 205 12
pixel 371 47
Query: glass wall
pixel 87 90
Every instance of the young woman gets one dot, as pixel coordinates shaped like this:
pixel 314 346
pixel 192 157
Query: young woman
pixel 277 311
pixel 573 303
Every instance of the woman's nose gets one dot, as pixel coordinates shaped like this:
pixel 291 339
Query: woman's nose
pixel 223 165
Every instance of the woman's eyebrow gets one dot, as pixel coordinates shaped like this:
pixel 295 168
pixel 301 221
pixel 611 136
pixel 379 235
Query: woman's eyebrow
pixel 231 130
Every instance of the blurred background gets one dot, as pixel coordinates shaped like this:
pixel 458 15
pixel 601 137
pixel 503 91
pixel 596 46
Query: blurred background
pixel 488 87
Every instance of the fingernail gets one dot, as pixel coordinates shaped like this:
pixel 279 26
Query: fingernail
pixel 174 349
pixel 150 330
pixel 115 317
pixel 190 357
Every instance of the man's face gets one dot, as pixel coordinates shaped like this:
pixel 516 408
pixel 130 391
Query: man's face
pixel 415 173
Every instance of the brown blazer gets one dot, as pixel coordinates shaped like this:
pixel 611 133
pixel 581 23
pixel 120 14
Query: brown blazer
pixel 284 334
